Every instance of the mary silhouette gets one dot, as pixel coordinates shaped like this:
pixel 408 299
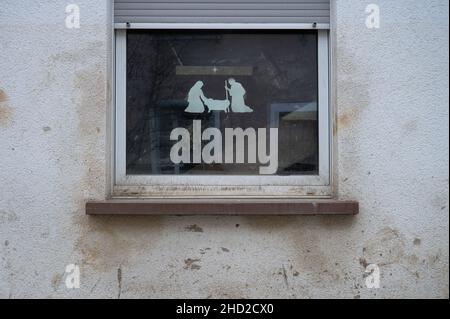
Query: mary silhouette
pixel 237 93
pixel 196 98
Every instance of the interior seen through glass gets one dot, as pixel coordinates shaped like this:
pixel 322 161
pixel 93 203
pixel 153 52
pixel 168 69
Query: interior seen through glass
pixel 188 87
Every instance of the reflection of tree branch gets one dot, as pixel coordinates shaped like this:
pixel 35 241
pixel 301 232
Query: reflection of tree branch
pixel 132 53
pixel 176 54
pixel 160 68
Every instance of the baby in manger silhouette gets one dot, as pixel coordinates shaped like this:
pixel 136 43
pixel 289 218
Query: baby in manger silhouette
pixel 197 100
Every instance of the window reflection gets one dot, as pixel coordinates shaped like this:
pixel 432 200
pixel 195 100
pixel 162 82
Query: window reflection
pixel 275 85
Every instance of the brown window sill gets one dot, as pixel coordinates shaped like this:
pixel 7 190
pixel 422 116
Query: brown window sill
pixel 222 207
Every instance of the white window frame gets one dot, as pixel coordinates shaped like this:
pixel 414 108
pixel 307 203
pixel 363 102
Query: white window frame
pixel 218 186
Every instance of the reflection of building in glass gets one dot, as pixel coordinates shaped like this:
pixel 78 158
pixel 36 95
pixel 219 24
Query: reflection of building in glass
pixel 298 126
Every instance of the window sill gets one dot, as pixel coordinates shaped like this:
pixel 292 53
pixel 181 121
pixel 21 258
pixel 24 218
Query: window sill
pixel 222 207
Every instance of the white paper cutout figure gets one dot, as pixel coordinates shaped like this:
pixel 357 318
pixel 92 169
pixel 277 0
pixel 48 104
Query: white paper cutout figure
pixel 237 93
pixel 196 98
pixel 218 105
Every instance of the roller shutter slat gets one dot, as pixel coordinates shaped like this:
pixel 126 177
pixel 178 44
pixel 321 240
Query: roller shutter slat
pixel 225 11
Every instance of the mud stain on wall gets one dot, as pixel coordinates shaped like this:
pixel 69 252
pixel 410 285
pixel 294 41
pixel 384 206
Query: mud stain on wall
pixel 192 264
pixel 356 101
pixel 353 87
pixel 6 112
pixel 269 223
pixel 301 235
pixel 119 282
pixel 194 228
pixel 227 290
pixel 390 248
pixel 3 96
pixel 105 242
pixel 387 247
pixel 56 281
pixel 352 104
pixel 311 260
pixel 101 244
pixel 91 109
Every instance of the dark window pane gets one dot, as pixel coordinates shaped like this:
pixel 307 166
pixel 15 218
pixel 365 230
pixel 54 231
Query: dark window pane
pixel 224 80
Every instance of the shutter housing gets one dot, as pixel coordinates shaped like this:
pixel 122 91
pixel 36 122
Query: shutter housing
pixel 303 13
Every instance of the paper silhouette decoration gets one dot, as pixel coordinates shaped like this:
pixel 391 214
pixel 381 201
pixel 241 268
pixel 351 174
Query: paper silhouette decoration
pixel 197 100
pixel 237 93
pixel 217 105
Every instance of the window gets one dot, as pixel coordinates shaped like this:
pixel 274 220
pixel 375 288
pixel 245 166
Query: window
pixel 221 110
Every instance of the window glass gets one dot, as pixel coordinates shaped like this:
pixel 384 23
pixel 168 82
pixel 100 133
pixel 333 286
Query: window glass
pixel 222 102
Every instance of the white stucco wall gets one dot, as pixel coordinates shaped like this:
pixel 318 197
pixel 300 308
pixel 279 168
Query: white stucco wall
pixel 392 102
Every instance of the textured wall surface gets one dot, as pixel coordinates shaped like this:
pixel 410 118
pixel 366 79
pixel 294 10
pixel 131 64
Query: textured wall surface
pixel 392 140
